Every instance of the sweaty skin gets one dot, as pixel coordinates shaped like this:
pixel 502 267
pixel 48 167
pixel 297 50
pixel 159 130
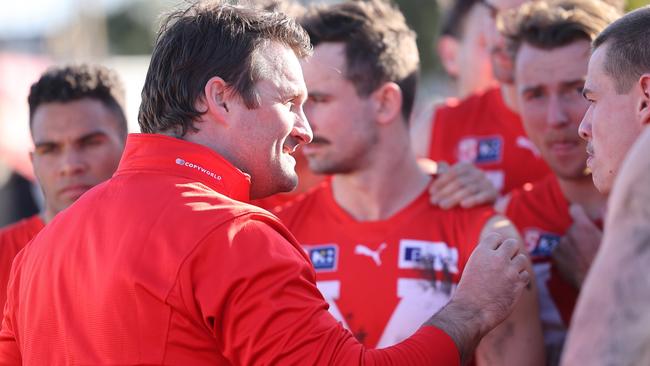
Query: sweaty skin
pixel 611 322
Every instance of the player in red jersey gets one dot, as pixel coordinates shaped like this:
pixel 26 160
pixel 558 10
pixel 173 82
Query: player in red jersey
pixel 79 129
pixel 370 231
pixel 551 46
pixel 610 325
pixel 484 129
pixel 462 48
pixel 166 263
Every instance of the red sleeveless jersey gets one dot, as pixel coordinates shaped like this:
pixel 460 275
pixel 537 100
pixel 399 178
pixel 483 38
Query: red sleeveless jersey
pixel 482 130
pixel 541 213
pixel 383 279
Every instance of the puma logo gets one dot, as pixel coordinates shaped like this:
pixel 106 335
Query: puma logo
pixel 525 143
pixel 374 254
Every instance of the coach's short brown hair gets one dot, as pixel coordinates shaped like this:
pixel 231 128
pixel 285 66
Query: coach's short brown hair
pixel 628 52
pixel 379 45
pixel 200 42
pixel 549 24
pixel 291 8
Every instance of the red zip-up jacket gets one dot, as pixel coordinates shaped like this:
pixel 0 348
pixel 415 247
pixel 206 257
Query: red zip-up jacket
pixel 165 264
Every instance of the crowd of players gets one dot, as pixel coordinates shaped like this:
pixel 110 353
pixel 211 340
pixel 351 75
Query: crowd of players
pixel 461 234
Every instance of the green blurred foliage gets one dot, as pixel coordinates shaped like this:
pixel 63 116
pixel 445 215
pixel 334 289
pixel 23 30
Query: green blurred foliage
pixel 422 16
pixel 633 4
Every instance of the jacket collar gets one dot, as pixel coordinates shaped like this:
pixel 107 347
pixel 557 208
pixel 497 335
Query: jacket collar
pixel 172 156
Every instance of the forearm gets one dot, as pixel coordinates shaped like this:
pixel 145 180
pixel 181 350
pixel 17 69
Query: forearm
pixel 463 324
pixel 428 346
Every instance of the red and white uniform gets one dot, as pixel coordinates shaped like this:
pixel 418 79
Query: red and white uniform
pixel 378 265
pixel 541 213
pixel 164 264
pixel 482 130
pixel 13 239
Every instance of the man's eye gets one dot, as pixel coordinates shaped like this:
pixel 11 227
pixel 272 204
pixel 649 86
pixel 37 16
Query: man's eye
pixel 44 150
pixel 534 95
pixel 290 104
pixel 317 99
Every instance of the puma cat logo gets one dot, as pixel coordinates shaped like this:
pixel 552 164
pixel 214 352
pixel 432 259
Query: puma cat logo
pixel 525 143
pixel 374 254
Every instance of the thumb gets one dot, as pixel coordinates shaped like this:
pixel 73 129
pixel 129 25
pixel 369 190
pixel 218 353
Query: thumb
pixel 579 215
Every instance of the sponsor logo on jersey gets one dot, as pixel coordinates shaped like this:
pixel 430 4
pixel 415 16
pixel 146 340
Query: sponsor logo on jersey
pixel 375 255
pixel 416 253
pixel 323 257
pixel 540 243
pixel 525 143
pixel 201 169
pixel 480 149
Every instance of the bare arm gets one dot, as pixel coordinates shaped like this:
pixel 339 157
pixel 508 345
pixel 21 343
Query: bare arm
pixel 611 321
pixel 518 340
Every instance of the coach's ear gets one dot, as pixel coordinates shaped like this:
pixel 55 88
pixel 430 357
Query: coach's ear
pixel 387 102
pixel 643 109
pixel 215 100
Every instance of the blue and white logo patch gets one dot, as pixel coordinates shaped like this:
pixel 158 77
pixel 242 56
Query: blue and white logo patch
pixel 489 150
pixel 540 243
pixel 439 254
pixel 323 257
pixel 480 149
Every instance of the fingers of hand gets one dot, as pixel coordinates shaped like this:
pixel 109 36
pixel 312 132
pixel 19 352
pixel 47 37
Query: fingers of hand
pixel 454 198
pixel 524 276
pixel 460 182
pixel 444 191
pixel 483 196
pixel 519 262
pixel 491 241
pixel 509 248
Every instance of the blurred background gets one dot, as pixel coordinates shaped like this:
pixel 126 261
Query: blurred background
pixel 35 34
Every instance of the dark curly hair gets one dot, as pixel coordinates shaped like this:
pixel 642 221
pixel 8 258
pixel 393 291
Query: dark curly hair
pixel 70 83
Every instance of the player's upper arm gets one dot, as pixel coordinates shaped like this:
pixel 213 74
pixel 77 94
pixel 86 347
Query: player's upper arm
pixel 501 225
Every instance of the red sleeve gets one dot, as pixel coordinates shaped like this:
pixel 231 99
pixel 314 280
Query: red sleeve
pixel 256 292
pixel 9 351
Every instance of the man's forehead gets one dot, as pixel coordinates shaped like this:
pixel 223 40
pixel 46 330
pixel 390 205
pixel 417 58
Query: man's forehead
pixel 71 120
pixel 328 60
pixel 596 70
pixel 280 65
pixel 564 63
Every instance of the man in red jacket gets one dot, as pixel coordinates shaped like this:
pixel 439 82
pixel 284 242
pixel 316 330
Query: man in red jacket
pixel 166 263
